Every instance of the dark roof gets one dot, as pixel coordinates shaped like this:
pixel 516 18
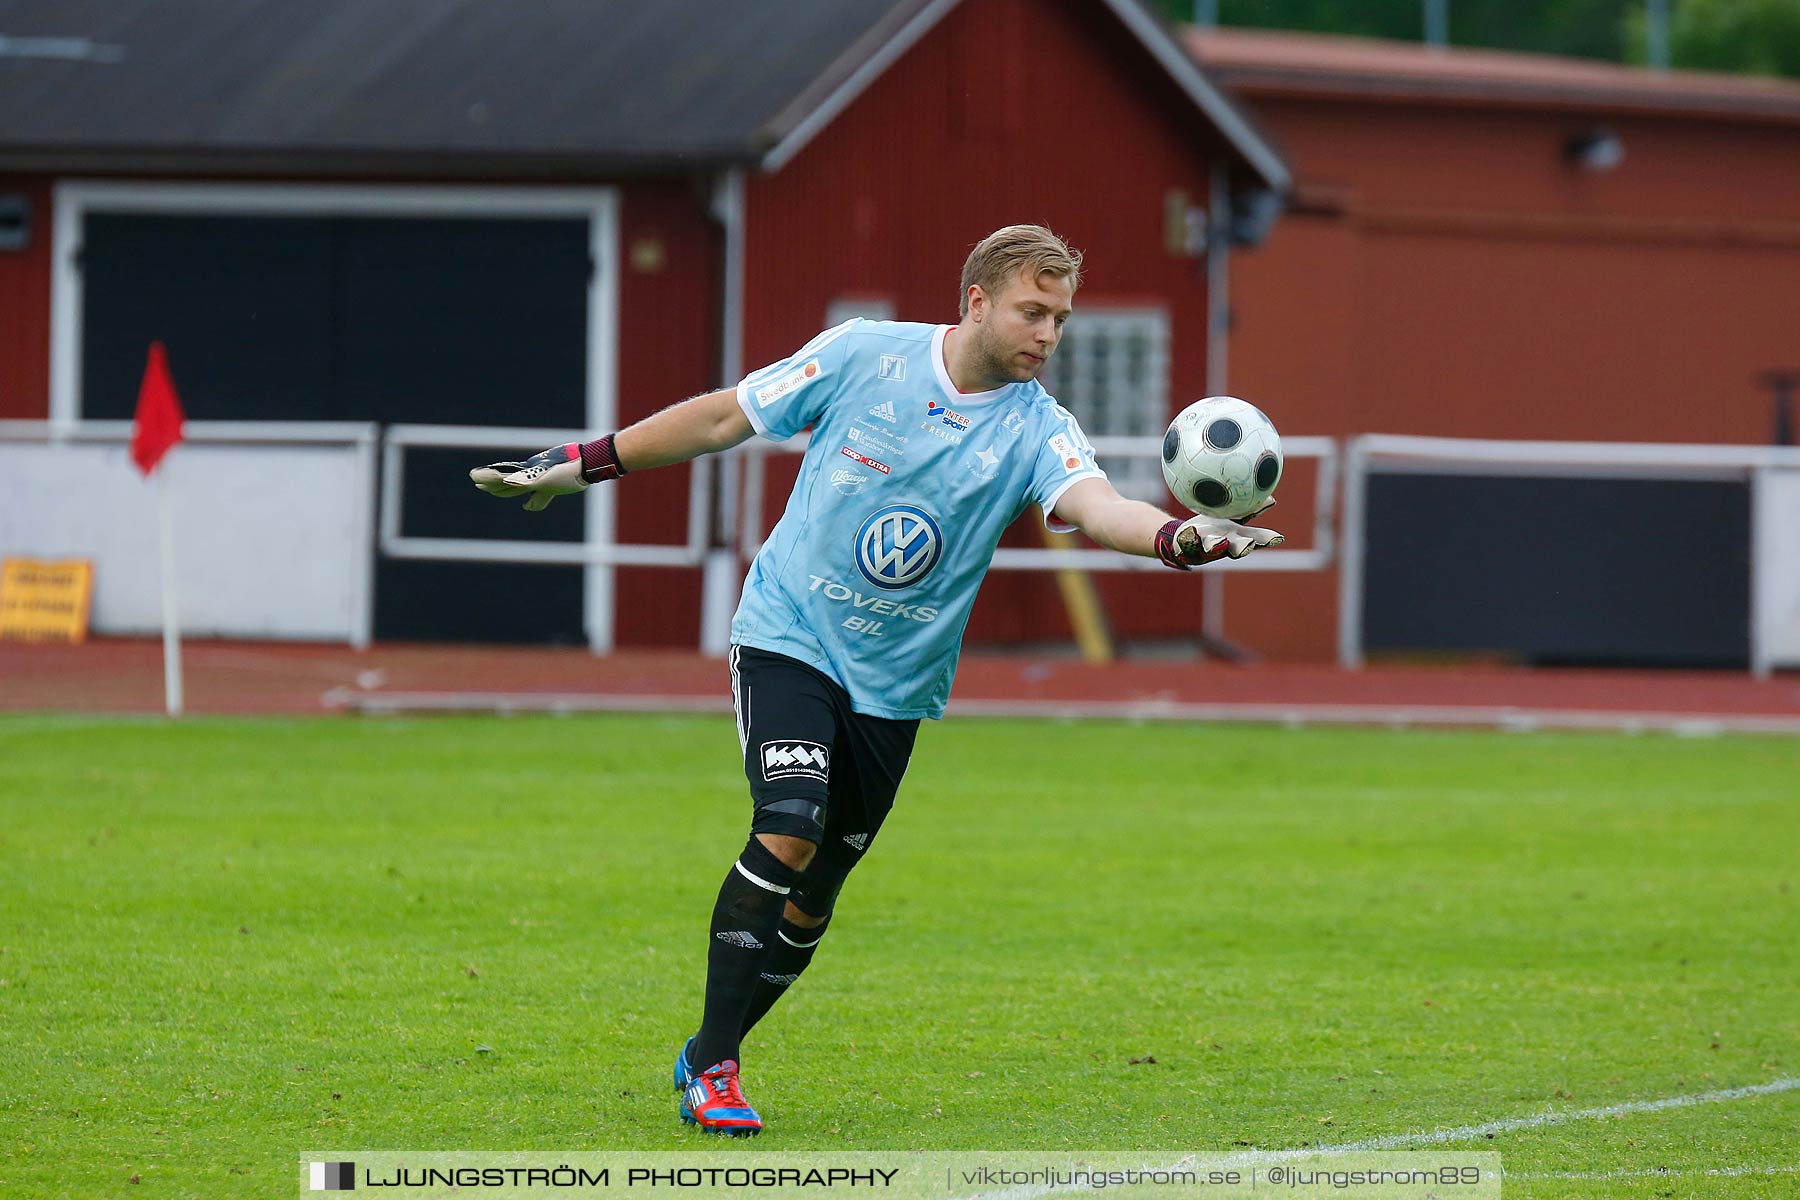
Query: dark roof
pixel 650 82
pixel 1263 63
pixel 514 87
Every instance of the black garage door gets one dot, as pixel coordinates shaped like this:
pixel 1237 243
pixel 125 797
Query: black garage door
pixel 423 320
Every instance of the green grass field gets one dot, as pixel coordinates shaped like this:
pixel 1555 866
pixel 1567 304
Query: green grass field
pixel 223 943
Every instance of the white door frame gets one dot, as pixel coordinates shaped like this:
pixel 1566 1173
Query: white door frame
pixel 75 199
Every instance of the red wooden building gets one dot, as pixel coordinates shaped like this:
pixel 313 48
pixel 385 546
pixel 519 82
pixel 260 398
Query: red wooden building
pixel 1497 245
pixel 573 215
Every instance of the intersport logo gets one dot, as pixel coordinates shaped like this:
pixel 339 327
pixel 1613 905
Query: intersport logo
pixel 949 416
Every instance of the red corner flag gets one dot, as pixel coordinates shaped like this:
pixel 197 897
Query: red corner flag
pixel 159 416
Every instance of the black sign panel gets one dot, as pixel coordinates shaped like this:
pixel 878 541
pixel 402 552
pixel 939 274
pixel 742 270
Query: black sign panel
pixel 1552 570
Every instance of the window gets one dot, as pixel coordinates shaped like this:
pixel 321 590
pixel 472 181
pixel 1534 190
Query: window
pixel 842 308
pixel 1112 372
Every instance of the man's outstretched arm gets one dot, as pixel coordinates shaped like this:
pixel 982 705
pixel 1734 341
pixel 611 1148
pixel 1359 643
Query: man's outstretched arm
pixel 703 425
pixel 1095 507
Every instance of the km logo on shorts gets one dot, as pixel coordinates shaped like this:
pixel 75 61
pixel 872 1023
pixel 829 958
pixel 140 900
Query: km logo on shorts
pixel 780 760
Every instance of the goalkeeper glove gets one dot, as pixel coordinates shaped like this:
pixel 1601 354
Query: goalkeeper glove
pixel 559 471
pixel 1199 540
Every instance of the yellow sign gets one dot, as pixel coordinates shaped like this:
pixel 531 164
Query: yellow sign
pixel 45 601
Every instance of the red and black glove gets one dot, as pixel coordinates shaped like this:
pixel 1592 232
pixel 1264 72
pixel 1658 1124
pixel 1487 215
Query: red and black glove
pixel 1199 540
pixel 559 471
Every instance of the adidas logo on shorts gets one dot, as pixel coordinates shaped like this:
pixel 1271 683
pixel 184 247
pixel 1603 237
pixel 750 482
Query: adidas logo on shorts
pixel 743 939
pixel 778 980
pixel 856 841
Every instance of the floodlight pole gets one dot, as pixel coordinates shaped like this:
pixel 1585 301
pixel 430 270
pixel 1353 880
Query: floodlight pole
pixel 1437 22
pixel 171 613
pixel 1657 14
pixel 1213 640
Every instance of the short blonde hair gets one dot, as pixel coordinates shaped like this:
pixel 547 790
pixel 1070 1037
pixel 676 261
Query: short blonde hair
pixel 1003 254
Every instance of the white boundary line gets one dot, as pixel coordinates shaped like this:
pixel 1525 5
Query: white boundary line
pixel 379 703
pixel 1463 1133
pixel 1657 1173
pixel 1417 1138
pixel 1392 716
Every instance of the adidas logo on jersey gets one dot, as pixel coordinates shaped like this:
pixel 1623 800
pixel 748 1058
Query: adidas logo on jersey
pixel 743 939
pixel 785 760
pixel 886 412
pixel 856 841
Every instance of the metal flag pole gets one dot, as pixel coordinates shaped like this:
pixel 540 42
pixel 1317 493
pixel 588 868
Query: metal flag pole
pixel 171 617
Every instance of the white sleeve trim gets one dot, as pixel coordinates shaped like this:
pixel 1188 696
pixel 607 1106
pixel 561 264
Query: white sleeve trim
pixel 819 342
pixel 1057 524
pixel 826 337
pixel 749 407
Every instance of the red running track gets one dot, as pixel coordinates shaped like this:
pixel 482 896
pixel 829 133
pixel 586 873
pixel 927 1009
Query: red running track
pixel 124 675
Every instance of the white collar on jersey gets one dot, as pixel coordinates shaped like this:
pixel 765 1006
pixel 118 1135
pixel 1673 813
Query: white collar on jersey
pixel 943 374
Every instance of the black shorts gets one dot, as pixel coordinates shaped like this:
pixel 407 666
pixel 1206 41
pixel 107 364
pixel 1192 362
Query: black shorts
pixel 817 770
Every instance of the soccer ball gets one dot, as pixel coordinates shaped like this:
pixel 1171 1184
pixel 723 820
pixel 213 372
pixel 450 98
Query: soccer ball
pixel 1222 457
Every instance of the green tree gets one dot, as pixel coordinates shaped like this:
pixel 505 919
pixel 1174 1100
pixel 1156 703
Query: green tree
pixel 1759 37
pixel 1583 27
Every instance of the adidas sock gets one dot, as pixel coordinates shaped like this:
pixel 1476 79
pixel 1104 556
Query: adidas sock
pixel 744 920
pixel 789 955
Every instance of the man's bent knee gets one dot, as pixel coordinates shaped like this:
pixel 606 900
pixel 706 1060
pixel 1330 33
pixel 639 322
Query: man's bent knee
pixel 793 851
pixel 795 818
pixel 796 915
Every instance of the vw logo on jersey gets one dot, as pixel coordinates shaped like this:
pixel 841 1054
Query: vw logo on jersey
pixel 898 546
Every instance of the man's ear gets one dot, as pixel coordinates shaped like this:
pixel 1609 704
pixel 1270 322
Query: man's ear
pixel 977 301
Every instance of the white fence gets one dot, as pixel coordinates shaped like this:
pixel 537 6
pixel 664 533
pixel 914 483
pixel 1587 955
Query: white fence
pixel 1773 474
pixel 597 549
pixel 278 522
pixel 274 523
pixel 1314 558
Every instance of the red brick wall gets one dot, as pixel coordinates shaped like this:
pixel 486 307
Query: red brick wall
pixel 1471 283
pixel 668 350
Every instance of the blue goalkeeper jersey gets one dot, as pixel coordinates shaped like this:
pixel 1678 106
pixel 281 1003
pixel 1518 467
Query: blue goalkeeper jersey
pixel 904 491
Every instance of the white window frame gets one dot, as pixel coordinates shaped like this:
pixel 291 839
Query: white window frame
pixel 75 199
pixel 1073 374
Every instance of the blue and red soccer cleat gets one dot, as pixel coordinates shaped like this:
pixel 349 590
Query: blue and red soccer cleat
pixel 715 1102
pixel 684 1066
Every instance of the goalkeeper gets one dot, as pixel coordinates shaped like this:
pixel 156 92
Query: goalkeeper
pixel 927 442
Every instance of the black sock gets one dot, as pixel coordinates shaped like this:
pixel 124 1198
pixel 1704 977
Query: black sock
pixel 743 925
pixel 787 956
